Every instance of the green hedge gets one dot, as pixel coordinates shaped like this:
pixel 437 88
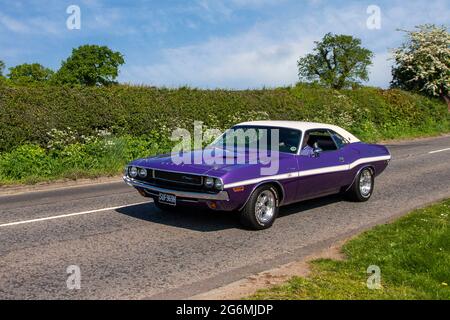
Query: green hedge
pixel 28 114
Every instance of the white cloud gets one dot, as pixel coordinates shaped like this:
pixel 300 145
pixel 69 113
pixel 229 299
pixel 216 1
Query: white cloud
pixel 266 54
pixel 214 6
pixel 44 25
pixel 12 24
pixel 247 60
pixel 34 25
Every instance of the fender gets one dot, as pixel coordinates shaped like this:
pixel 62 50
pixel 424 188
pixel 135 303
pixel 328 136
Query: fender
pixel 262 183
pixel 371 167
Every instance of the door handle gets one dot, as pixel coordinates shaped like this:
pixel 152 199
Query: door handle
pixel 341 159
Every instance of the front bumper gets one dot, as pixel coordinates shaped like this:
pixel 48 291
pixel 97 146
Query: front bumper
pixel 154 191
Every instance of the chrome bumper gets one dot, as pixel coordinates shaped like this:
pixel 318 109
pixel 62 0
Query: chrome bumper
pixel 222 195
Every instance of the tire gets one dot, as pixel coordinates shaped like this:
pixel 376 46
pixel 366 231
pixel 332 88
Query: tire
pixel 262 218
pixel 362 188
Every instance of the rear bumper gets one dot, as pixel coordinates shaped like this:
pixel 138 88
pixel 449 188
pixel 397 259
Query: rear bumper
pixel 154 191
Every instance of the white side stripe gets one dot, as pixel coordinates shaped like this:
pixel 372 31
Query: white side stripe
pixel 311 172
pixel 367 160
pixel 258 180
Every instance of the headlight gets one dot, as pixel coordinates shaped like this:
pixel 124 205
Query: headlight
pixel 209 182
pixel 218 184
pixel 142 172
pixel 133 172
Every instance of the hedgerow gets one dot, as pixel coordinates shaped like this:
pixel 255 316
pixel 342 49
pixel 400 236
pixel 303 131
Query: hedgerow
pixel 29 113
pixel 49 132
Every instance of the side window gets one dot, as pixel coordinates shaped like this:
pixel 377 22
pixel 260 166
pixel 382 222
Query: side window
pixel 338 139
pixel 321 138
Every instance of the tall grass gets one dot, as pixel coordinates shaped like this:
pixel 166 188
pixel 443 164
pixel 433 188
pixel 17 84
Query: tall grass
pixel 103 156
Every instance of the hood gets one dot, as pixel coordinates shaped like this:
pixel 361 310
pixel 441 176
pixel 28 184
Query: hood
pixel 220 162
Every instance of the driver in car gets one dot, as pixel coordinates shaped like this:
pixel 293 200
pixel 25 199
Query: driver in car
pixel 306 149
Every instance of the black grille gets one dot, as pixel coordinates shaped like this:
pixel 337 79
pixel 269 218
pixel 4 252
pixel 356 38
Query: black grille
pixel 176 181
pixel 176 177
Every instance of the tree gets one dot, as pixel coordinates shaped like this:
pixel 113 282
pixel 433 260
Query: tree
pixel 422 63
pixel 90 65
pixel 338 61
pixel 29 73
pixel 2 67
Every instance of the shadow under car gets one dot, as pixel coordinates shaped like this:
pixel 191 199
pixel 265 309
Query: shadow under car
pixel 205 220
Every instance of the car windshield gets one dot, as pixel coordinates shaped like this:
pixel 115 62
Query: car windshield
pixel 256 137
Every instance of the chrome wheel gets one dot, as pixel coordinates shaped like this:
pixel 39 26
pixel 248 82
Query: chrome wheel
pixel 265 206
pixel 365 183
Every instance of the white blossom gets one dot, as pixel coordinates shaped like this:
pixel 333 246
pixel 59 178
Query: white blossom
pixel 426 54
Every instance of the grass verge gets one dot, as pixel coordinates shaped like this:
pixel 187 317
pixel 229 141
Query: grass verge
pixel 413 254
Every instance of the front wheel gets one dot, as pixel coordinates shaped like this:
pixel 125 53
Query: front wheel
pixel 261 209
pixel 362 188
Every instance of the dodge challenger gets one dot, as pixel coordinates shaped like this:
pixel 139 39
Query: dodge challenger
pixel 256 167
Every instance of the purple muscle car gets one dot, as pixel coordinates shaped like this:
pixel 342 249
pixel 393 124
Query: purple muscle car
pixel 256 167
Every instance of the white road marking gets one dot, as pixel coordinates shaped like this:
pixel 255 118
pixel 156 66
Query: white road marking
pixel 441 150
pixel 69 215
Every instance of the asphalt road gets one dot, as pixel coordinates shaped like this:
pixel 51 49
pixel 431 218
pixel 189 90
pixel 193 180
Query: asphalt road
pixel 126 248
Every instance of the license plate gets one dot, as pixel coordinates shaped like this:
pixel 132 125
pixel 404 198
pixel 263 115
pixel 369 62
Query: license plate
pixel 168 199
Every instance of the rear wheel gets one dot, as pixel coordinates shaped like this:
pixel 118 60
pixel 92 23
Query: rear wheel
pixel 362 188
pixel 261 209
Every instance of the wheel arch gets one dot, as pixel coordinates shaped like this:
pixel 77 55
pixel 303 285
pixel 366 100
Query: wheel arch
pixel 369 166
pixel 276 184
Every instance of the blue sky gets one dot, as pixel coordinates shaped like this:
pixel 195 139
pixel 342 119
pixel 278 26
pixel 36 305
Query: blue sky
pixel 207 43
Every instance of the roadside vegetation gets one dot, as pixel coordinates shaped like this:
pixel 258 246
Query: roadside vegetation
pixel 50 132
pixel 413 255
pixel 79 122
pixel 71 157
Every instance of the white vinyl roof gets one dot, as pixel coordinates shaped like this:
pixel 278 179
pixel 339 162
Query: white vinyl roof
pixel 303 126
